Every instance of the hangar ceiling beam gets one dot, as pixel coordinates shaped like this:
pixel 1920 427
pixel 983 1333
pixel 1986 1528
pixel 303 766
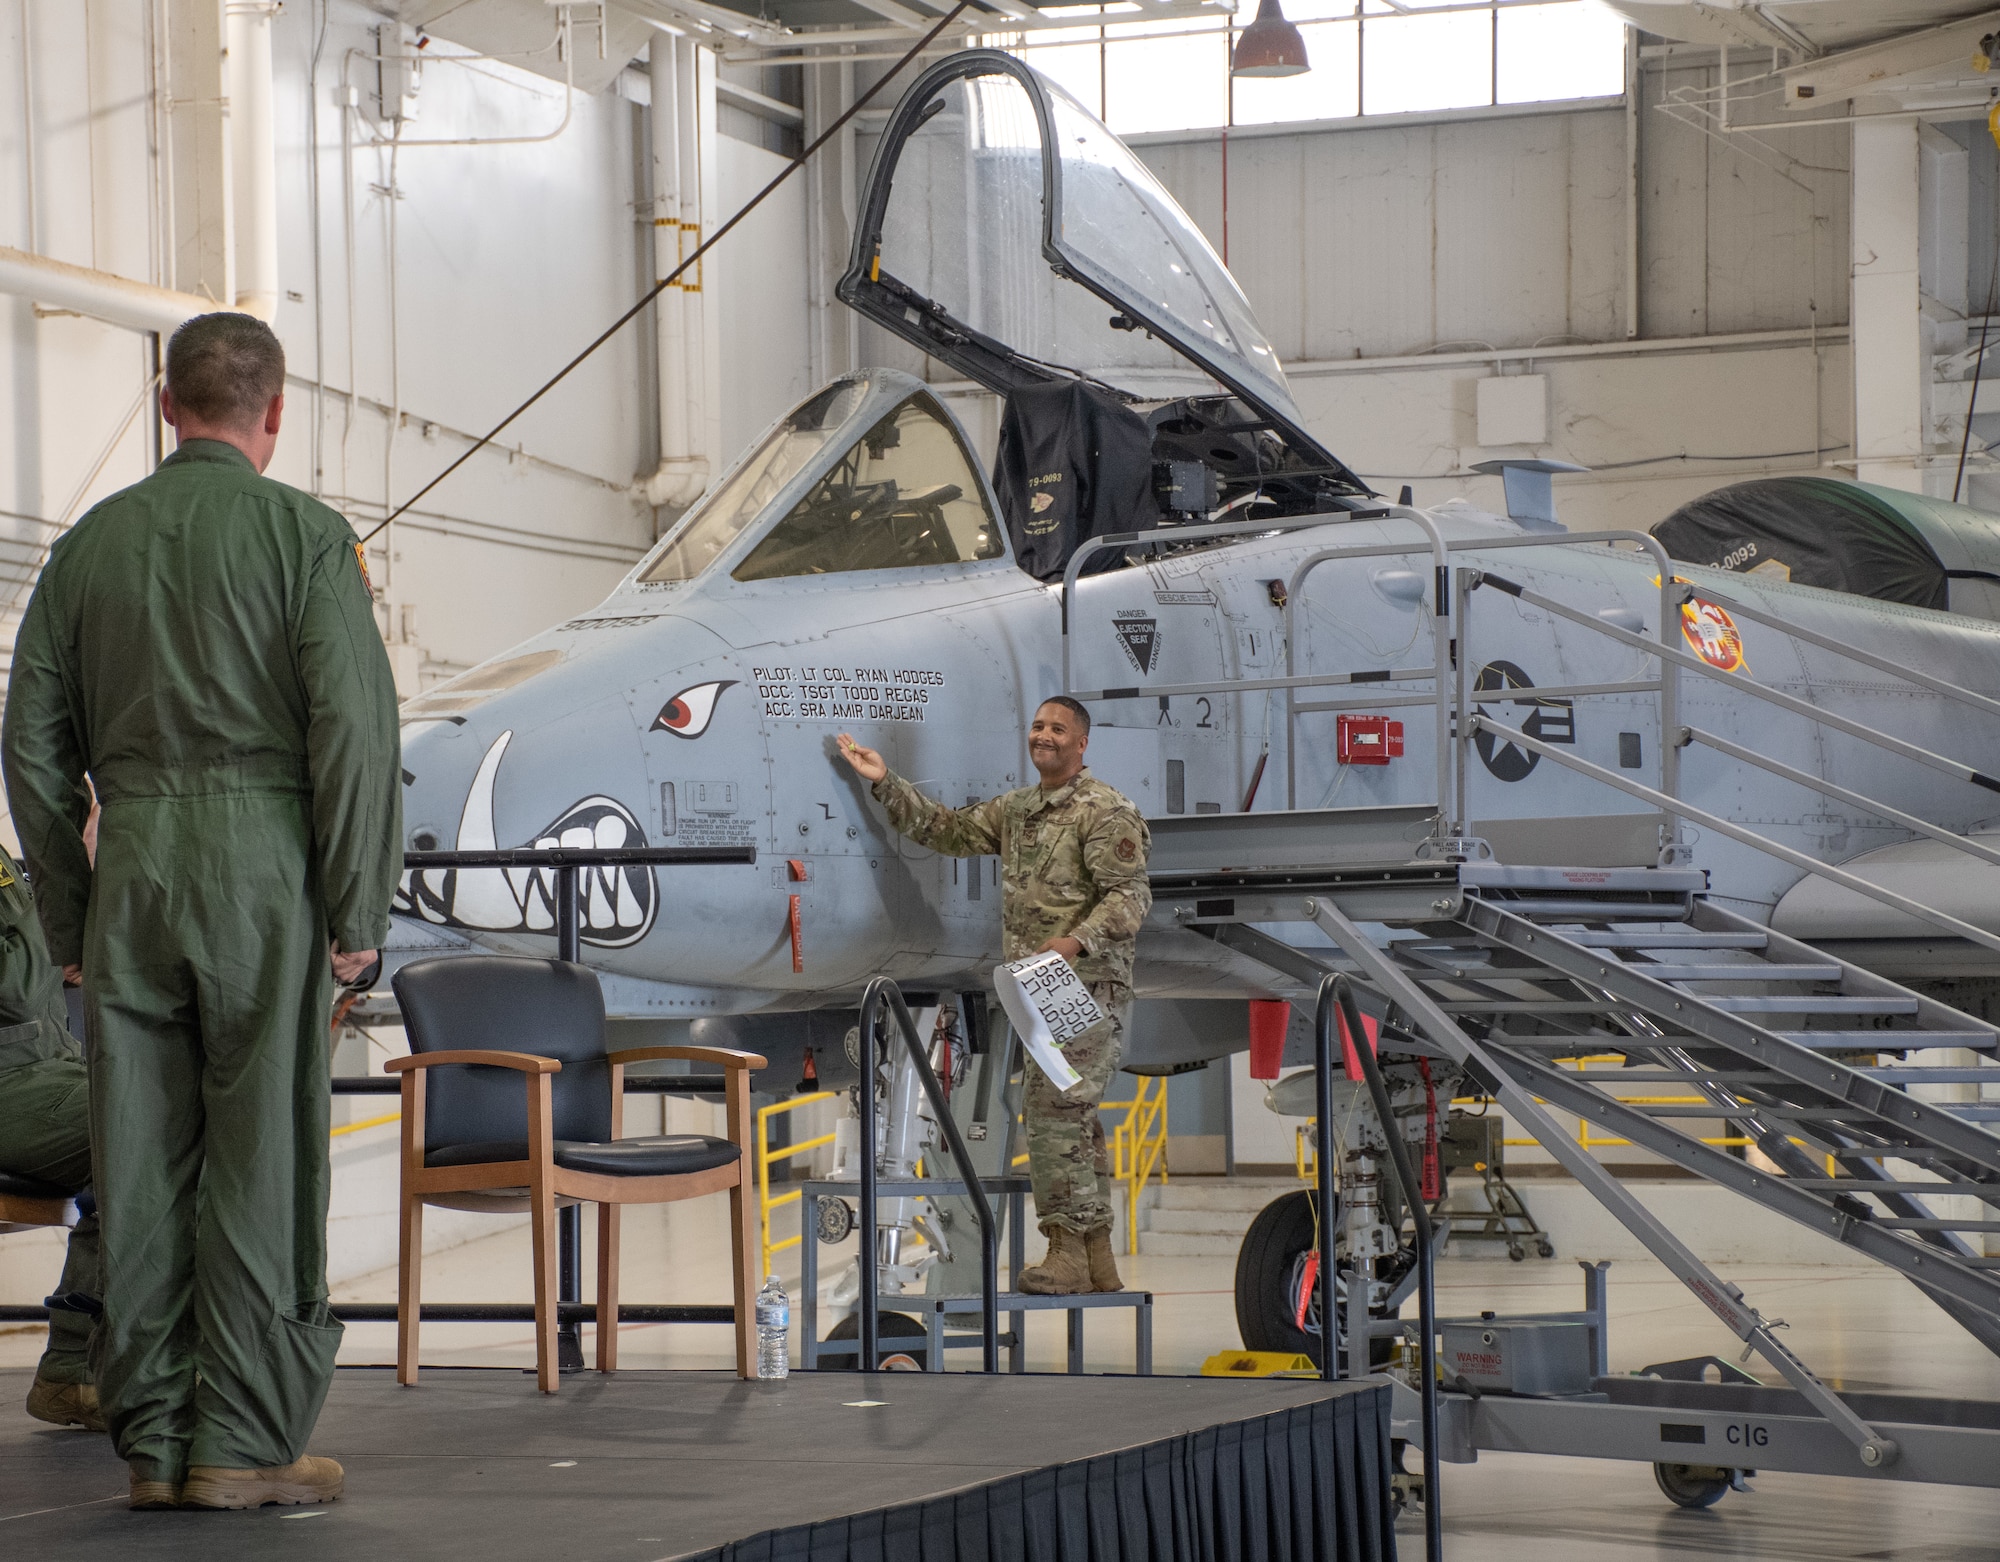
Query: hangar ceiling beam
pixel 1945 52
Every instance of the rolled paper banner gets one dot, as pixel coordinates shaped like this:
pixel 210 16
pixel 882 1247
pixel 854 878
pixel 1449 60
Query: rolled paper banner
pixel 1049 1007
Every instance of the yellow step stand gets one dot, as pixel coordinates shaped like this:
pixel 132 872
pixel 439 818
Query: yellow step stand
pixel 1258 1364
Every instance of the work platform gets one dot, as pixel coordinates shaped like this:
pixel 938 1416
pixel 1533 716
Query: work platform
pixel 476 1465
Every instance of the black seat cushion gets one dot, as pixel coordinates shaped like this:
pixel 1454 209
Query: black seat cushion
pixel 662 1155
pixel 28 1188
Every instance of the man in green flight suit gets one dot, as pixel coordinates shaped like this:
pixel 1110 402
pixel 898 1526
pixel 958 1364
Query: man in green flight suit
pixel 203 647
pixel 1073 879
pixel 45 1138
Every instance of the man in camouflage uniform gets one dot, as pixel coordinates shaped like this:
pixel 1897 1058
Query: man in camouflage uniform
pixel 1073 880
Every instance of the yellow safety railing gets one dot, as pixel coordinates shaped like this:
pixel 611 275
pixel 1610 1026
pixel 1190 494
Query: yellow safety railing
pixel 765 1156
pixel 1139 1145
pixel 366 1122
pixel 1591 1141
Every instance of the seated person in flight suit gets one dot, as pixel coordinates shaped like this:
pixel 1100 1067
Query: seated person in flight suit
pixel 45 1135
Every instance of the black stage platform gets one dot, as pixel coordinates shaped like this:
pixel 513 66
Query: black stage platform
pixel 648 1465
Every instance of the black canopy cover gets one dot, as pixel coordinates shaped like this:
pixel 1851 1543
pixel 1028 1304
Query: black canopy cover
pixel 1074 462
pixel 1816 531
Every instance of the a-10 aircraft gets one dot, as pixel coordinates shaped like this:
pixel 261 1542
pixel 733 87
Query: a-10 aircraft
pixel 859 571
pixel 852 572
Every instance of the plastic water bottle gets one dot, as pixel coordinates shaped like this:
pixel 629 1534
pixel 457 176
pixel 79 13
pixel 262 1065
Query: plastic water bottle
pixel 774 1323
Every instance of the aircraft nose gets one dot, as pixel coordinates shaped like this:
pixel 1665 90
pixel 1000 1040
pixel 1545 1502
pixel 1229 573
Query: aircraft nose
pixel 547 748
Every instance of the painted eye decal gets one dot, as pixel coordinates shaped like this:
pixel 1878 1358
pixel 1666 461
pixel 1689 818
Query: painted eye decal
pixel 687 714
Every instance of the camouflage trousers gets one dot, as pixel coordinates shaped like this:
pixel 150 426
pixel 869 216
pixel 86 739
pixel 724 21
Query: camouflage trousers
pixel 1068 1160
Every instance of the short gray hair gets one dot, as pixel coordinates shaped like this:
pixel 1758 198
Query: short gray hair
pixel 225 368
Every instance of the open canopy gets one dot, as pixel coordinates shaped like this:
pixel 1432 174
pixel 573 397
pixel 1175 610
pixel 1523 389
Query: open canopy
pixel 1007 232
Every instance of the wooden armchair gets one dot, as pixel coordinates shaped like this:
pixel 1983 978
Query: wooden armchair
pixel 472 1139
pixel 25 1202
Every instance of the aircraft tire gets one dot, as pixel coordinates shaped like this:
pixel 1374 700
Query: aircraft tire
pixel 888 1327
pixel 1266 1265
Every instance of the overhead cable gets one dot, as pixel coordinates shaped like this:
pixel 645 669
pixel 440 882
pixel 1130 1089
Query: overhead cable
pixel 673 276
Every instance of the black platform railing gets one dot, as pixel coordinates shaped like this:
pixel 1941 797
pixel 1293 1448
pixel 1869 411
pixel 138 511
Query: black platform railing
pixel 1336 995
pixel 883 994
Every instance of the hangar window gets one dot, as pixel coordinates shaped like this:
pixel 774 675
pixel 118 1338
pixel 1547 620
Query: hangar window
pixel 1368 57
pixel 719 518
pixel 905 494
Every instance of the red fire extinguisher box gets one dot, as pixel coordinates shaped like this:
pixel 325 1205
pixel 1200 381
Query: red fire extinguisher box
pixel 1368 740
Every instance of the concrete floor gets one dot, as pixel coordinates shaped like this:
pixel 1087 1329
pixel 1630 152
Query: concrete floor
pixel 1862 1327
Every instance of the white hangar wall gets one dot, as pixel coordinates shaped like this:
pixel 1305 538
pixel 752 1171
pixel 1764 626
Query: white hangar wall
pixel 1397 264
pixel 425 287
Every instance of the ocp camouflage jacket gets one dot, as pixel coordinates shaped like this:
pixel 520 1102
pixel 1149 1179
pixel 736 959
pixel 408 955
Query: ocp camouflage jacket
pixel 1072 863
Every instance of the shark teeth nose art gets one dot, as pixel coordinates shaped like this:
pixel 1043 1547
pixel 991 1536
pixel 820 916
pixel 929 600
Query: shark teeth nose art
pixel 616 905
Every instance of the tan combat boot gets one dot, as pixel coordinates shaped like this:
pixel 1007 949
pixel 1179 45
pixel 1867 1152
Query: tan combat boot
pixel 66 1404
pixel 150 1495
pixel 1063 1271
pixel 306 1480
pixel 1103 1267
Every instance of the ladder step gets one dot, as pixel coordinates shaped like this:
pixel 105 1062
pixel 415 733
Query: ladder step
pixel 1903 1224
pixel 1640 939
pixel 1987 1191
pixel 1934 1076
pixel 1522 1006
pixel 1772 1114
pixel 1890 1040
pixel 1667 971
pixel 1595 910
pixel 1447 972
pixel 1808 1004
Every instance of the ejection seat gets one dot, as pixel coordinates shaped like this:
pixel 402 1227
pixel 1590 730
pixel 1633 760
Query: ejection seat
pixel 473 1140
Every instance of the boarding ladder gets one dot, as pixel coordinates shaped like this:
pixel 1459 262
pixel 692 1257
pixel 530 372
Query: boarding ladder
pixel 1520 974
pixel 1820 1063
pixel 1558 987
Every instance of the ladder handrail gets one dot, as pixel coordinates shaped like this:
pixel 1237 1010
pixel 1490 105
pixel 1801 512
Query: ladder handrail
pixel 1157 536
pixel 1440 640
pixel 1804 778
pixel 1456 712
pixel 1740 833
pixel 1336 993
pixel 1942 763
pixel 1885 664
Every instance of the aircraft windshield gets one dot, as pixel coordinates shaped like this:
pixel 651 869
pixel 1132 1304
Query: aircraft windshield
pixel 1117 283
pixel 963 228
pixel 1118 222
pixel 905 494
pixel 719 519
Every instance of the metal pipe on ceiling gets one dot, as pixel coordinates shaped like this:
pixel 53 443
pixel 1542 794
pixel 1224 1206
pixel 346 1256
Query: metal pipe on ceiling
pixel 253 157
pixel 137 306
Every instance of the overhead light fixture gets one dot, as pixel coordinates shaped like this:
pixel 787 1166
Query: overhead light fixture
pixel 1270 46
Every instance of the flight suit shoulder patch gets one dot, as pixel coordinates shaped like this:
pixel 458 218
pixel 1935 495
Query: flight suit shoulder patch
pixel 7 879
pixel 361 558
